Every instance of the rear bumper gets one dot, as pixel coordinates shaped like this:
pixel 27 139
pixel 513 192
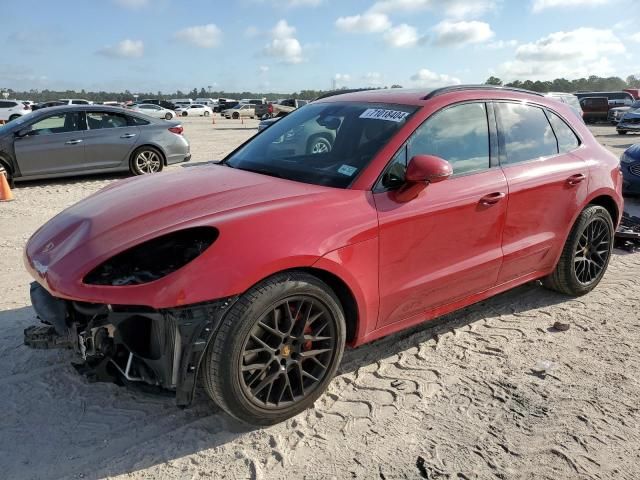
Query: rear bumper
pixel 136 343
pixel 628 127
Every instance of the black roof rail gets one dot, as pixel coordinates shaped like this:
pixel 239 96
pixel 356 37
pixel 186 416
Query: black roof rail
pixel 333 93
pixel 457 88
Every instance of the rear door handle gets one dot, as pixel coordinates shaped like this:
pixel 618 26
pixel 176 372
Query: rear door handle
pixel 73 142
pixel 576 179
pixel 128 135
pixel 492 198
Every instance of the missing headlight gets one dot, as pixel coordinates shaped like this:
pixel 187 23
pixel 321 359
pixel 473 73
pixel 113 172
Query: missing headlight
pixel 154 258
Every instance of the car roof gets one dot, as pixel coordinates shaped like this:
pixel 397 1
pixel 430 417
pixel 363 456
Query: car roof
pixel 407 96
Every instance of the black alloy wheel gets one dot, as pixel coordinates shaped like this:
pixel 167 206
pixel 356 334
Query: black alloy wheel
pixel 585 255
pixel 288 352
pixel 592 251
pixel 277 349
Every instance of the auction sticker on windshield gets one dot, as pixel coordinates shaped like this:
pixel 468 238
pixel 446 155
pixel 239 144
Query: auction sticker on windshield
pixel 384 114
pixel 347 170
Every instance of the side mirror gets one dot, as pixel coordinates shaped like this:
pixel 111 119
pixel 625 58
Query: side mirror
pixel 428 168
pixel 23 132
pixel 421 171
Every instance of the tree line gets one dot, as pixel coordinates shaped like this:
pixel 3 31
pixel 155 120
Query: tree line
pixel 590 84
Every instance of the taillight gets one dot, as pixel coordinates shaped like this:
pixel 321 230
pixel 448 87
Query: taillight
pixel 177 130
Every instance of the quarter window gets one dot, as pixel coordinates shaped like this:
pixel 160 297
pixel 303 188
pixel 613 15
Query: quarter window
pixel 567 140
pixel 459 134
pixel 526 132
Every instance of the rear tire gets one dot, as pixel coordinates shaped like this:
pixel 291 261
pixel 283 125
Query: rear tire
pixel 277 349
pixel 235 116
pixel 168 116
pixel 206 114
pixel 13 117
pixel 184 114
pixel 586 254
pixel 622 132
pixel 146 160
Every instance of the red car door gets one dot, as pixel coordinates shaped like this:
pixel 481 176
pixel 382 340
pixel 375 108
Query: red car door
pixel 446 243
pixel 547 184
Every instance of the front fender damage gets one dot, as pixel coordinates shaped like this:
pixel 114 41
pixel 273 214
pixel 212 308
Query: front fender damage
pixel 126 344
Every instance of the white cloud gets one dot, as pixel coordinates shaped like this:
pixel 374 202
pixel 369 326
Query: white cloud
pixel 461 33
pixel 372 79
pixel 578 53
pixel 539 5
pixel 451 8
pixel 284 46
pixel 635 37
pixel 132 4
pixel 427 79
pixel 203 36
pixel 341 79
pixel 124 49
pixel 283 30
pixel 263 69
pixel 366 23
pixel 402 36
pixel 500 44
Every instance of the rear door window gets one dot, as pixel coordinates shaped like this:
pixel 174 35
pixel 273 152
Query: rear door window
pixel 100 120
pixel 525 133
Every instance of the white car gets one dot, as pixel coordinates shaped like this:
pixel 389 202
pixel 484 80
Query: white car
pixel 12 109
pixel 76 101
pixel 154 111
pixel 195 109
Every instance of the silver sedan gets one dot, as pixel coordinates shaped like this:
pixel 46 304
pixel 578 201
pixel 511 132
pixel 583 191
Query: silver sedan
pixel 81 139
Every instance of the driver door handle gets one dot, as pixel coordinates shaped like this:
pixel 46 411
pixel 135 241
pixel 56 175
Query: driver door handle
pixel 128 135
pixel 492 198
pixel 73 142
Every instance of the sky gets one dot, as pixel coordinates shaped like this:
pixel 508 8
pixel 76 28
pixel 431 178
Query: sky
pixel 290 45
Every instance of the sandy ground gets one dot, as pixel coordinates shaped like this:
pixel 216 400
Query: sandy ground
pixel 453 399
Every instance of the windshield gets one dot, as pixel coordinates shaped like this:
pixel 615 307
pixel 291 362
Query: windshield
pixel 323 143
pixel 17 122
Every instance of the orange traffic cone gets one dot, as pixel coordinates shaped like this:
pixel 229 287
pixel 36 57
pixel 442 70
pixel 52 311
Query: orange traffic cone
pixel 5 191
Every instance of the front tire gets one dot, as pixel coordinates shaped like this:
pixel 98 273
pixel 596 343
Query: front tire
pixel 277 349
pixel 235 116
pixel 586 254
pixel 168 116
pixel 622 132
pixel 184 114
pixel 13 117
pixel 206 114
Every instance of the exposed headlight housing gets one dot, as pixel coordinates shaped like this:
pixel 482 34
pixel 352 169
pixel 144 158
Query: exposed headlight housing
pixel 153 259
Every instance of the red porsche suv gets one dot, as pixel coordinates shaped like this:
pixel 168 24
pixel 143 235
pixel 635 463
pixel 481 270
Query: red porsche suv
pixel 255 273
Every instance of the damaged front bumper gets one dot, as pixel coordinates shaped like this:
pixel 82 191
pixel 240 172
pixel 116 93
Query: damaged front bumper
pixel 131 343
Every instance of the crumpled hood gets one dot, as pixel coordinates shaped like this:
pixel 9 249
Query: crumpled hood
pixel 131 211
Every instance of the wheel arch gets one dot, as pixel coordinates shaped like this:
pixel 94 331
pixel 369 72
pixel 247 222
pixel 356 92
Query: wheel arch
pixel 152 145
pixel 607 202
